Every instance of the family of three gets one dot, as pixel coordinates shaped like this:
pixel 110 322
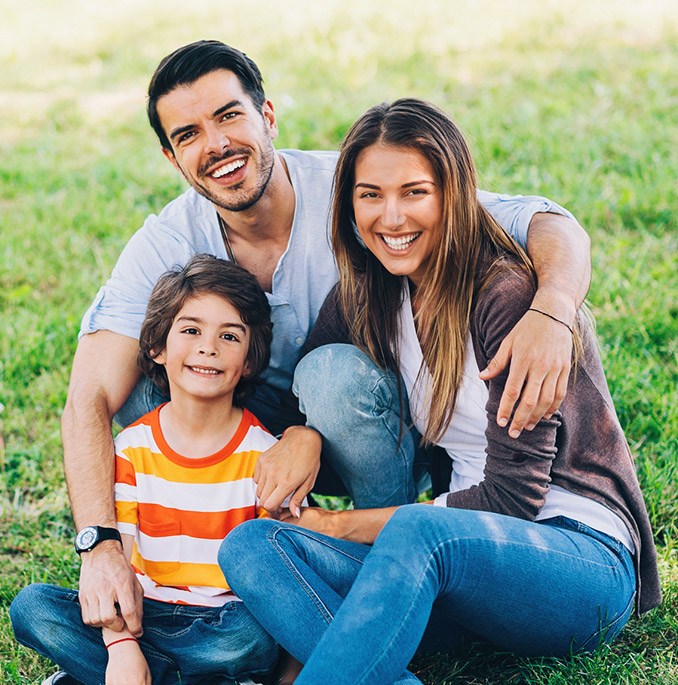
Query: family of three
pixel 374 310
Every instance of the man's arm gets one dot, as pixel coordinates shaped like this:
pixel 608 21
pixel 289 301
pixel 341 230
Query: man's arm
pixel 539 349
pixel 103 375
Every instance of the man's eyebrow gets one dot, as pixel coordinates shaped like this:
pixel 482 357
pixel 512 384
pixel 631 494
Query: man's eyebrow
pixel 189 127
pixel 227 106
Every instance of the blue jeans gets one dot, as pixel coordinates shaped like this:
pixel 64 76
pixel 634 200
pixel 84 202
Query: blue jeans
pixel 182 644
pixel 355 407
pixel 435 579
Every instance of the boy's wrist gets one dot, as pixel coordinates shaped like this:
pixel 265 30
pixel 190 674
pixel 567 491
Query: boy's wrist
pixel 121 642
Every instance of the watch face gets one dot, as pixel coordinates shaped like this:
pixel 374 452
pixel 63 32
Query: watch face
pixel 86 538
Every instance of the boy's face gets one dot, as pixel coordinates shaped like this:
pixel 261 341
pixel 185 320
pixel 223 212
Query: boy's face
pixel 206 351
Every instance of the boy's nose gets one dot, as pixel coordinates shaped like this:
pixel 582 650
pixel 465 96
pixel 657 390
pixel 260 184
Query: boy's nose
pixel 207 351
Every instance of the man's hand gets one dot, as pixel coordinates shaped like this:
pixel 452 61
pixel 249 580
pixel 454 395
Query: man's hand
pixel 540 353
pixel 110 594
pixel 289 468
pixel 127 665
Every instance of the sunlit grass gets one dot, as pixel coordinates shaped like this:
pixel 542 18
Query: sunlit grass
pixel 574 100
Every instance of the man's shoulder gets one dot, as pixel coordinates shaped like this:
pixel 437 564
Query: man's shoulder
pixel 310 159
pixel 188 205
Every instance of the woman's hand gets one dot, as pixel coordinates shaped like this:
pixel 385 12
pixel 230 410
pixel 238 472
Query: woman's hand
pixel 127 665
pixel 288 469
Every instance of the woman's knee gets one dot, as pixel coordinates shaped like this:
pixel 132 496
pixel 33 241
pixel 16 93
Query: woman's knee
pixel 337 375
pixel 241 549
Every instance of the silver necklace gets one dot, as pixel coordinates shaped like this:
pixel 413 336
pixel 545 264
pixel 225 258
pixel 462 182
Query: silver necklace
pixel 227 243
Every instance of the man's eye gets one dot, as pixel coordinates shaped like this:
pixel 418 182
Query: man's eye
pixel 229 115
pixel 186 136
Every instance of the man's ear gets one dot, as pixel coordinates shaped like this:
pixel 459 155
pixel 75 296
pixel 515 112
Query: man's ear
pixel 169 156
pixel 268 112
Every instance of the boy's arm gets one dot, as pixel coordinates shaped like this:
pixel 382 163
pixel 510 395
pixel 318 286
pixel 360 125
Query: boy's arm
pixel 539 348
pixel 104 373
pixel 126 663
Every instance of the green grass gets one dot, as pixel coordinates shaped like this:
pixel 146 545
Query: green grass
pixel 574 100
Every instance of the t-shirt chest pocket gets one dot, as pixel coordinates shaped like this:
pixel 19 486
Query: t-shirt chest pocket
pixel 160 548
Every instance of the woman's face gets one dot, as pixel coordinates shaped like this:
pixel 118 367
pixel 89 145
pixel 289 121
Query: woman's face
pixel 398 208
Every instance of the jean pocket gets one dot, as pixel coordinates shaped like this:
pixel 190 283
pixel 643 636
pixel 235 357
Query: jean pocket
pixel 608 629
pixel 159 545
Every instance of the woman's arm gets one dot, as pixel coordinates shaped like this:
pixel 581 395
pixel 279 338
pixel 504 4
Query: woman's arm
pixel 356 525
pixel 517 471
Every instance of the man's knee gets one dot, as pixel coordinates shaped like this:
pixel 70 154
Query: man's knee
pixel 145 397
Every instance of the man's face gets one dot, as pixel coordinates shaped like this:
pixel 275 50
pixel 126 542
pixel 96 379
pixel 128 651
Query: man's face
pixel 221 143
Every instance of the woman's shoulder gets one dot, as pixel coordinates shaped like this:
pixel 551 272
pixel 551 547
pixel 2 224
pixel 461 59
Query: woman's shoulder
pixel 505 286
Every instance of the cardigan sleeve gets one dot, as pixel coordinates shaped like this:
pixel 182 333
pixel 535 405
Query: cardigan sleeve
pixel 330 326
pixel 517 471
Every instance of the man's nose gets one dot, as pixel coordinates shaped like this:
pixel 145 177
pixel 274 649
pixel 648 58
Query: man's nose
pixel 216 141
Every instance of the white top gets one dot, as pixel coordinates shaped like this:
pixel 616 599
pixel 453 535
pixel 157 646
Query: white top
pixel 465 442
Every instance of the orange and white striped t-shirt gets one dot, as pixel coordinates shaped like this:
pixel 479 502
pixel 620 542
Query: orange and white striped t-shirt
pixel 179 510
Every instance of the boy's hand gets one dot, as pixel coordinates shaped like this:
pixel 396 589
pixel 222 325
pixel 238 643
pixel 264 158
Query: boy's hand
pixel 127 665
pixel 289 468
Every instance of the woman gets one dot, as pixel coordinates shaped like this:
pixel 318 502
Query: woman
pixel 543 544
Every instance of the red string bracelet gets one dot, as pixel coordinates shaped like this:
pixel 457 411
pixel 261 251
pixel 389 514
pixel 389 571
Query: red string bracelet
pixel 122 639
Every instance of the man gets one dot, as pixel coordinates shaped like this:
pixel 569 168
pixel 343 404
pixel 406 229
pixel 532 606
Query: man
pixel 268 210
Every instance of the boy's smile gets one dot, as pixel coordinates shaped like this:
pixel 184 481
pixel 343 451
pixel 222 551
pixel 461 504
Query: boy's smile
pixel 206 350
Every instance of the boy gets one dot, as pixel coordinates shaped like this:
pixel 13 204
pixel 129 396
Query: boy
pixel 183 481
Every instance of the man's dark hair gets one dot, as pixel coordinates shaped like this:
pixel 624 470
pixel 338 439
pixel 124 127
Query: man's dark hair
pixel 206 275
pixel 190 62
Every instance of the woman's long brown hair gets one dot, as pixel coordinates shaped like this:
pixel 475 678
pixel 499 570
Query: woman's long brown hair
pixel 470 247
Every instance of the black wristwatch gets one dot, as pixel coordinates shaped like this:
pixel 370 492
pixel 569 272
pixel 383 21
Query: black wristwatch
pixel 88 538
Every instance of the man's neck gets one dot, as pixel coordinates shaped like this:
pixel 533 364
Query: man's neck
pixel 270 219
pixel 258 237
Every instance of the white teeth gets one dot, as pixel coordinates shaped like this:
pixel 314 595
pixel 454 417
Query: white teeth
pixel 206 372
pixel 228 168
pixel 400 243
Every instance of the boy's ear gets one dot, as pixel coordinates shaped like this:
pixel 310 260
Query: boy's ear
pixel 246 369
pixel 159 358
